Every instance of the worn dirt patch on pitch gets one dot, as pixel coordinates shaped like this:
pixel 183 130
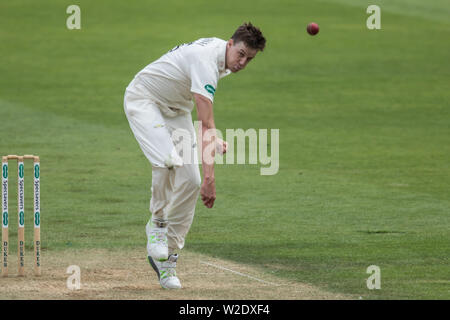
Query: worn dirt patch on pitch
pixel 127 275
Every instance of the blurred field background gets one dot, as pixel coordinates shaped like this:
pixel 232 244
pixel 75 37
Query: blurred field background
pixel 364 126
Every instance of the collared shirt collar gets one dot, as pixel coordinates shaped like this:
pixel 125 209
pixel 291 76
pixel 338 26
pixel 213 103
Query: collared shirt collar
pixel 221 61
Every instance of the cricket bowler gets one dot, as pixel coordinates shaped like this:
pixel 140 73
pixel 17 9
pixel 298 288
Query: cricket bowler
pixel 158 104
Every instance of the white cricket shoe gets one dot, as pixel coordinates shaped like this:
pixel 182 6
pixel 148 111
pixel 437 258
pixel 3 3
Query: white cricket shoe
pixel 157 242
pixel 166 271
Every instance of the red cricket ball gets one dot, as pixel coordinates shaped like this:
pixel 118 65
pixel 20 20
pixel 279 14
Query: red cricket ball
pixel 312 28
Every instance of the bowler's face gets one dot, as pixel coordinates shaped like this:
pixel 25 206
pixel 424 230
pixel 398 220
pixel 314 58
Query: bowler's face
pixel 238 55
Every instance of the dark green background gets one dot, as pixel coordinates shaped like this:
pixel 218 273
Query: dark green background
pixel 364 134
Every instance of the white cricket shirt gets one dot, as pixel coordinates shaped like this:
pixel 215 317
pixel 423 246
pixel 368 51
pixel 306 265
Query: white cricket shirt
pixel 194 67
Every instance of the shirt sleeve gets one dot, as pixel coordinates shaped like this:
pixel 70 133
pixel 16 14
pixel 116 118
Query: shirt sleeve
pixel 204 78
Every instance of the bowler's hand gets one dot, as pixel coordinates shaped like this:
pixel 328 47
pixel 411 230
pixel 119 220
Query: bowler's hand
pixel 221 146
pixel 208 192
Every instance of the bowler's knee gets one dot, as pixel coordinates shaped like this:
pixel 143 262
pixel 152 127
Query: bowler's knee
pixel 173 161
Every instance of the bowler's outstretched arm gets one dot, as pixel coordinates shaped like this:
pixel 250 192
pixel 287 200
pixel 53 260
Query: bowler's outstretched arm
pixel 206 116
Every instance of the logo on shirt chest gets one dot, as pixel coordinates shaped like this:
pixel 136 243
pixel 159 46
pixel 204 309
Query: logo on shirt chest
pixel 210 89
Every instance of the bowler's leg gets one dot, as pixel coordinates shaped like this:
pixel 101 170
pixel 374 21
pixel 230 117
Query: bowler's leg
pixel 186 182
pixel 150 130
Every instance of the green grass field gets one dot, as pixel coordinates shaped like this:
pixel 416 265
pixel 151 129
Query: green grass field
pixel 364 120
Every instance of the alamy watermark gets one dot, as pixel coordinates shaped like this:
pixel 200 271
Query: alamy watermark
pixel 374 281
pixel 374 20
pixel 249 146
pixel 74 20
pixel 74 280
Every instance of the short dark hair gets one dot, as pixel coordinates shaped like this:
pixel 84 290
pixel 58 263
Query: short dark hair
pixel 250 35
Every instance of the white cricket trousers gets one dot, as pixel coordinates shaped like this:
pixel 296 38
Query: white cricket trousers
pixel 174 191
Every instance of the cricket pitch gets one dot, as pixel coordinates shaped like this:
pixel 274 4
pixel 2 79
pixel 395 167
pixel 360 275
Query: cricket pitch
pixel 127 275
